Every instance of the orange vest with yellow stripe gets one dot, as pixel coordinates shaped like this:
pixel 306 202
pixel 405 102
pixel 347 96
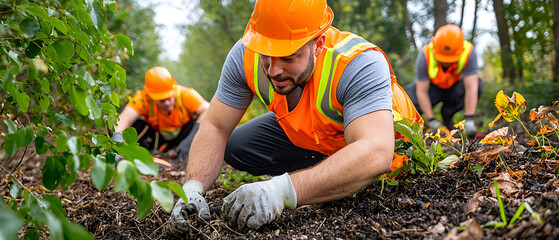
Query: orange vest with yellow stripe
pixel 439 77
pixel 316 123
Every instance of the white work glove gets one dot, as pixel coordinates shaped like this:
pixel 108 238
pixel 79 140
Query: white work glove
pixel 470 126
pixel 255 204
pixel 117 137
pixel 434 125
pixel 179 222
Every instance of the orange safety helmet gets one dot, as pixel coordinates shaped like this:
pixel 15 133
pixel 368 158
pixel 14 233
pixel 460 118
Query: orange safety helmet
pixel 159 84
pixel 278 28
pixel 448 43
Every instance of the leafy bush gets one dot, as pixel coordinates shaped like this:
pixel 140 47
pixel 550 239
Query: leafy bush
pixel 57 94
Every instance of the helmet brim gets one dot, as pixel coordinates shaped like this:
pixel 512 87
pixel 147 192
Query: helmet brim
pixel 280 47
pixel 446 58
pixel 161 95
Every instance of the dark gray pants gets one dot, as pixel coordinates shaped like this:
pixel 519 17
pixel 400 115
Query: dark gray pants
pixel 452 99
pixel 260 146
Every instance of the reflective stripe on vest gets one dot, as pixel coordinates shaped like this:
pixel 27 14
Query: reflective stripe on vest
pixel 264 89
pixel 433 67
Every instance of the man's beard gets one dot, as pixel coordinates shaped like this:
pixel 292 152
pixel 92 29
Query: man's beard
pixel 300 82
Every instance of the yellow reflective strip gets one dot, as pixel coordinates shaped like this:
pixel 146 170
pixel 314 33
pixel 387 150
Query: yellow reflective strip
pixel 256 57
pixel 432 69
pixel 464 56
pixel 397 116
pixel 324 79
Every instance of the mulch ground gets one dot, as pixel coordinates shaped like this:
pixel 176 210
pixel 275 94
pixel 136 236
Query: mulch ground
pixel 423 206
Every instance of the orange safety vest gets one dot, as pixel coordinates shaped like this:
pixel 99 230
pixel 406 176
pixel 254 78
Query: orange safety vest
pixel 316 123
pixel 446 79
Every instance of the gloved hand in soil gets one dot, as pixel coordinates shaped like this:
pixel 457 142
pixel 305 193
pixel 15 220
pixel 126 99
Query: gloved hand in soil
pixel 179 222
pixel 470 126
pixel 433 124
pixel 255 204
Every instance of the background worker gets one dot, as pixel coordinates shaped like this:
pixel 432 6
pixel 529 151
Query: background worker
pixel 164 114
pixel 446 71
pixel 330 130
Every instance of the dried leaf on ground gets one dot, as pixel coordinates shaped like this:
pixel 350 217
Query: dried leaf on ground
pixel 473 231
pixel 508 186
pixel 487 155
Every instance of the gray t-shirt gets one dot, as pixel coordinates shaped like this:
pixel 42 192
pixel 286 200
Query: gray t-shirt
pixel 421 67
pixel 364 86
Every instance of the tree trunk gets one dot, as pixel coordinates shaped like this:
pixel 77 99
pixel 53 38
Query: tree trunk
pixel 408 23
pixel 441 7
pixel 556 39
pixel 475 21
pixel 462 13
pixel 504 41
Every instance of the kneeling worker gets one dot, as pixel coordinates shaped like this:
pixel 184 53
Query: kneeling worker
pixel 164 114
pixel 446 71
pixel 333 99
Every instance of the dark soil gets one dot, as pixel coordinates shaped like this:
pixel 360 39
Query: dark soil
pixel 422 206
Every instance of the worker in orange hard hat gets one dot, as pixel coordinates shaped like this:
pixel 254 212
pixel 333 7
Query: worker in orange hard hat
pixel 446 71
pixel 164 114
pixel 333 98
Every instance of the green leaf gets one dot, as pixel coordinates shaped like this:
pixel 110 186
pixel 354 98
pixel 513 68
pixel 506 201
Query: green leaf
pixel 24 136
pixel 77 98
pixel 101 174
pixel 12 127
pixel 64 49
pixel 114 99
pixel 41 145
pixel 60 25
pixel 161 193
pixel 75 231
pixel 52 170
pixel 145 201
pixel 108 108
pixel 97 14
pixel 45 85
pixel 55 206
pixel 84 18
pixel 84 54
pixel 10 145
pixel 10 224
pixel 60 139
pixel 31 234
pixel 29 26
pixel 130 136
pixel 66 120
pixel 43 102
pixel 74 145
pixel 135 152
pixel 13 55
pixel 123 40
pixel 55 226
pixel 37 11
pixel 93 108
pixel 126 175
pixel 519 211
pixel 87 77
pixel 177 189
pixel 15 190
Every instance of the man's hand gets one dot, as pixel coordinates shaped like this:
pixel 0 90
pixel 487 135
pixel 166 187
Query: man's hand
pixel 255 204
pixel 434 125
pixel 179 222
pixel 470 126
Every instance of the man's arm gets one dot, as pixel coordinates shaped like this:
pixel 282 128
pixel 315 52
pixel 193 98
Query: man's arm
pixel 208 146
pixel 126 118
pixel 368 154
pixel 422 93
pixel 201 111
pixel 471 85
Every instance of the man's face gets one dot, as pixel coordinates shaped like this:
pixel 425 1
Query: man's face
pixel 166 105
pixel 288 73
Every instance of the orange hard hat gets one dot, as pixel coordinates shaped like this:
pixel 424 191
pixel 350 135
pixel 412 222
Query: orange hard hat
pixel 278 28
pixel 159 84
pixel 448 43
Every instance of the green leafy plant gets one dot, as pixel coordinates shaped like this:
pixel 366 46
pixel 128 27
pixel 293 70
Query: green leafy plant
pixel 232 181
pixel 60 77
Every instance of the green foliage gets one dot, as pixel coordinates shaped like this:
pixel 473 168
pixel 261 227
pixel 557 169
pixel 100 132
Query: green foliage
pixel 231 181
pixel 59 75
